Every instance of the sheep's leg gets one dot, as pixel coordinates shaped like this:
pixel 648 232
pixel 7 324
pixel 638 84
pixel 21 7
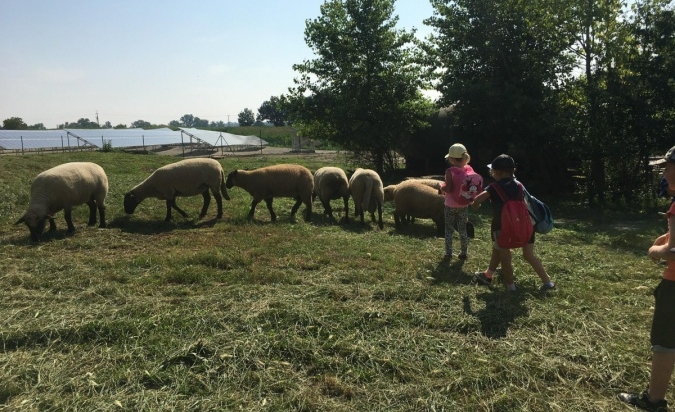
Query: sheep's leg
pixel 346 200
pixel 92 212
pixel 69 220
pixel 308 212
pixel 295 207
pixel 101 213
pixel 219 203
pixel 379 215
pixel 254 203
pixel 52 224
pixel 207 202
pixel 273 216
pixel 397 220
pixel 327 210
pixel 171 203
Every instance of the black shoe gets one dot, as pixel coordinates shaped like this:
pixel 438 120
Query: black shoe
pixel 643 402
pixel 482 278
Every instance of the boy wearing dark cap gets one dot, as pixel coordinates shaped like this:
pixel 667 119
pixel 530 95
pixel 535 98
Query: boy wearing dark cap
pixel 502 170
pixel 663 325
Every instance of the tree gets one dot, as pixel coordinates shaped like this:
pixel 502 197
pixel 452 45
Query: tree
pixel 187 120
pixel 272 111
pixel 362 92
pixel 82 123
pixel 121 126
pixel 497 64
pixel 14 123
pixel 141 124
pixel 175 123
pixel 37 126
pixel 246 117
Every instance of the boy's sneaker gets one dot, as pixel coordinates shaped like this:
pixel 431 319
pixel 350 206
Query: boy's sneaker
pixel 643 402
pixel 482 278
pixel 547 287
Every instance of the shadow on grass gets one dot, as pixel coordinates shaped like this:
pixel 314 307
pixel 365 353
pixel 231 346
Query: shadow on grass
pixel 128 224
pixel 446 272
pixel 501 310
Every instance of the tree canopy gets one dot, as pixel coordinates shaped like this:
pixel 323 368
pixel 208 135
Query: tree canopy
pixel 363 91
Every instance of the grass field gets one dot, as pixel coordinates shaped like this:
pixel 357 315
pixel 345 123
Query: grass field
pixel 204 315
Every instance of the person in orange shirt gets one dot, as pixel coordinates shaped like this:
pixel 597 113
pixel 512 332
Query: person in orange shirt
pixel 663 325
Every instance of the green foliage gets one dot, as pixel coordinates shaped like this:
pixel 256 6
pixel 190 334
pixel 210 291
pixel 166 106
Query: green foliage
pixel 245 117
pixel 272 110
pixel 363 90
pixel 230 315
pixel 14 123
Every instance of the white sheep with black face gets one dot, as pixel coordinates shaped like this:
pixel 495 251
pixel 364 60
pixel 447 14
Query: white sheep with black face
pixel 417 200
pixel 283 180
pixel 190 177
pixel 331 183
pixel 368 193
pixel 62 188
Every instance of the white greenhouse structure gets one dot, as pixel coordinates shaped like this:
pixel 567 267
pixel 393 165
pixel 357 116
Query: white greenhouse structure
pixel 21 141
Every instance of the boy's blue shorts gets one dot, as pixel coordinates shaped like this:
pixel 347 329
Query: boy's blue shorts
pixel 663 323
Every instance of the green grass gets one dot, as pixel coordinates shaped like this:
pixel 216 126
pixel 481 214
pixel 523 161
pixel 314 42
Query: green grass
pixel 208 315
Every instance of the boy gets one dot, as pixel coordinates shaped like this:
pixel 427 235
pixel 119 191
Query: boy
pixel 663 327
pixel 503 169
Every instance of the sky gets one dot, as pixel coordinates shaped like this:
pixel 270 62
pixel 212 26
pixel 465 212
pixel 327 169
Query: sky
pixel 154 60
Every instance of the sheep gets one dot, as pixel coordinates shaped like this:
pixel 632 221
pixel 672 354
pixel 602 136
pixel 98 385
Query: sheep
pixel 188 177
pixel 62 187
pixel 419 201
pixel 283 180
pixel 331 183
pixel 366 188
pixel 391 189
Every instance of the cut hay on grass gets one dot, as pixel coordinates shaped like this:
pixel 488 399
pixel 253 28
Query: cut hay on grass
pixel 230 315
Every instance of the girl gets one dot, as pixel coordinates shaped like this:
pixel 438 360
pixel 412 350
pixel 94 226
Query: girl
pixel 461 186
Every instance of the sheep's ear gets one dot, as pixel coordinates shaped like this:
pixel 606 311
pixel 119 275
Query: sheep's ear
pixel 23 219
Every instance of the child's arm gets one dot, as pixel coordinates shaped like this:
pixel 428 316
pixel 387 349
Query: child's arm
pixel 446 187
pixel 661 250
pixel 482 197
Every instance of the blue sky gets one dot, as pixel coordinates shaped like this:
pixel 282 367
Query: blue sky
pixel 62 60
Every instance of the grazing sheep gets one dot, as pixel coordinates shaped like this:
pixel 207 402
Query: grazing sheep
pixel 266 183
pixel 391 189
pixel 419 201
pixel 188 177
pixel 368 193
pixel 331 183
pixel 62 187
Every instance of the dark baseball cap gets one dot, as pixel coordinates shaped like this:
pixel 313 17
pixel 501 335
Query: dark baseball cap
pixel 669 157
pixel 502 162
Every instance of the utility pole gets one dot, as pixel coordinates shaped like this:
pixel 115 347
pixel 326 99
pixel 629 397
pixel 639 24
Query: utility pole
pixel 99 124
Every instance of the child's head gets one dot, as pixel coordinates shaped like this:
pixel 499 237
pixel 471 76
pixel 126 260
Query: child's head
pixel 669 171
pixel 503 166
pixel 457 155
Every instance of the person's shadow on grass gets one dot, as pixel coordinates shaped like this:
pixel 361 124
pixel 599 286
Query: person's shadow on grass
pixel 449 271
pixel 502 308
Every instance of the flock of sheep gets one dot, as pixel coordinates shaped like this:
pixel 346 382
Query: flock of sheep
pixel 72 184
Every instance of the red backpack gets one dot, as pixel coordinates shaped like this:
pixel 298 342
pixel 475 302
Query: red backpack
pixel 517 227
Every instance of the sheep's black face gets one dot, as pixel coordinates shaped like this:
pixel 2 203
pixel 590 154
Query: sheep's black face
pixel 130 203
pixel 229 183
pixel 35 224
pixel 36 231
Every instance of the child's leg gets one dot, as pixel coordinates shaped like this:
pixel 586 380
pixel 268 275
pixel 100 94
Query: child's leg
pixel 507 267
pixel 662 369
pixel 462 218
pixel 533 260
pixel 449 229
